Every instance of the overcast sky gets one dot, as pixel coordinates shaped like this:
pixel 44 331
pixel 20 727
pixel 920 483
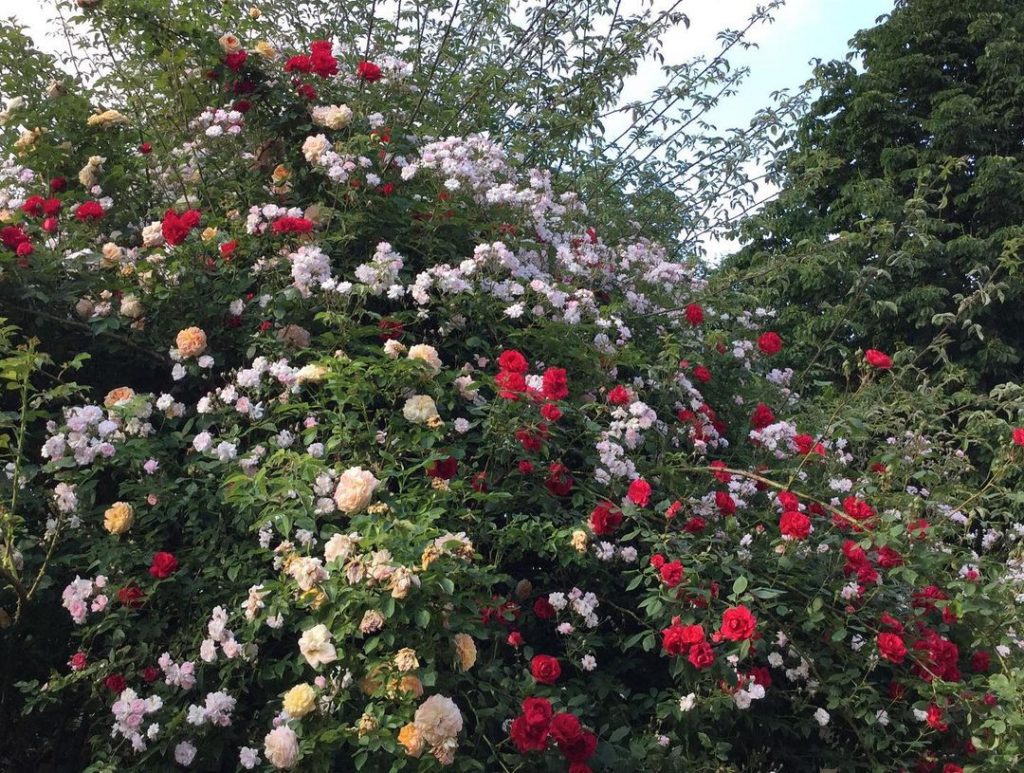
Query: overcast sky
pixel 803 30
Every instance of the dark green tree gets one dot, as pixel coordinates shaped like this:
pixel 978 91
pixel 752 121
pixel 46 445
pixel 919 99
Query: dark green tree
pixel 900 222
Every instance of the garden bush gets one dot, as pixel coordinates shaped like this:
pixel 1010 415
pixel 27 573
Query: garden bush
pixel 373 452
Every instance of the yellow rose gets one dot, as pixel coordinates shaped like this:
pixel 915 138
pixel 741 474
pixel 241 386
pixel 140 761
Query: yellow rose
pixel 409 736
pixel 191 342
pixel 300 700
pixel 118 518
pixel 465 650
pixel 267 51
pixel 107 118
pixel 208 233
pixel 579 541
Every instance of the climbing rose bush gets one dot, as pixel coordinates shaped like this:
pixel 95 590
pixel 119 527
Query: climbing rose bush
pixel 397 463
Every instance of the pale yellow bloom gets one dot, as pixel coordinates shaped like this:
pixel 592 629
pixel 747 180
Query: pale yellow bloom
pixel 300 700
pixel 406 660
pixel 118 518
pixel 465 650
pixel 107 118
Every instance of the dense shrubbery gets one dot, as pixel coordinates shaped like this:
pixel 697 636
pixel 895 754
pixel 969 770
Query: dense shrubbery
pixel 386 457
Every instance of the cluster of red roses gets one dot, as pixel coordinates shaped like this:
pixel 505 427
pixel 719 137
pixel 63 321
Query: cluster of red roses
pixel 319 61
pixel 738 624
pixel 538 723
pixel 175 227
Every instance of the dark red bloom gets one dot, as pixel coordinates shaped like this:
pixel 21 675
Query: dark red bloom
pixel 559 481
pixel 131 596
pixel 512 361
pixel 78 661
pixel 150 674
pixel 619 395
pixel 694 314
pixel 115 683
pixel 298 63
pixel 555 384
pixel 145 148
pixel 725 503
pixel 762 416
pixel 545 669
pixel 542 608
pixel 551 412
pixel 445 469
pixel 235 61
pixel 321 60
pixel 605 518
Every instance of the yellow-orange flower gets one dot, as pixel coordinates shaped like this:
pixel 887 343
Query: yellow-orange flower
pixel 191 342
pixel 409 736
pixel 119 518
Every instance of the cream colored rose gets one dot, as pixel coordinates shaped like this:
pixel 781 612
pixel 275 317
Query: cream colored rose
pixel 28 139
pixel 300 700
pixel 131 307
pixel 409 737
pixel 107 118
pixel 314 147
pixel 118 396
pixel 420 409
pixel 402 580
pixel 438 719
pixel 281 747
pixel 393 349
pixel 267 51
pixel 254 12
pixel 316 647
pixel 191 342
pixel 465 650
pixel 406 660
pixel 112 254
pixel 579 541
pixel 340 547
pixel 229 43
pixel 118 518
pixel 332 116
pixel 153 235
pixel 354 490
pixel 310 374
pixel 426 354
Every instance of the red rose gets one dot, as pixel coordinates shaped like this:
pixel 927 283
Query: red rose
pixel 672 573
pixel 805 445
pixel 719 466
pixel 877 359
pixel 131 596
pixel 115 683
pixel 762 417
pixel 510 384
pixel 537 712
pixel 515 639
pixel 175 227
pixel 677 638
pixel 525 467
pixel 542 608
pixel 702 374
pixel 298 63
pixel 761 676
pixel 788 500
pixel 725 503
pixel 321 60
pixel 657 560
pixel 738 624
pixel 639 492
pixel 769 343
pixel 368 71
pixel 445 469
pixel 512 361
pixel 1018 436
pixel 163 566
pixel 292 225
pixel 78 661
pixel 794 525
pixel 57 184
pixel 555 385
pixel 889 558
pixel 545 669
pixel 526 737
pixel 235 61
pixel 695 525
pixel 33 206
pixel 227 249
pixel 150 674
pixel 551 412
pixel 935 719
pixel 701 655
pixel 891 647
pixel 605 519
pixel 559 482
pixel 145 148
pixel 980 661
pixel 694 314
pixel 89 210
pixel 565 727
pixel 619 395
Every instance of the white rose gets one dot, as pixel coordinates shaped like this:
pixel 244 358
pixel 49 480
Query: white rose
pixel 427 354
pixel 332 116
pixel 281 747
pixel 314 147
pixel 315 646
pixel 438 719
pixel 340 546
pixel 153 234
pixel 419 409
pixel 354 490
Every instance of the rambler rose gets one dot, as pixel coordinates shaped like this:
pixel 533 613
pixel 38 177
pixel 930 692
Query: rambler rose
pixel 355 490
